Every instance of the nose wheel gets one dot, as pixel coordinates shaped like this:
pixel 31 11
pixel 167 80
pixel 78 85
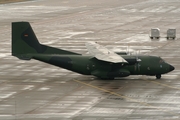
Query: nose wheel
pixel 158 76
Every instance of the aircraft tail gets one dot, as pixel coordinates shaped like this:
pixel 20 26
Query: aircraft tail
pixel 25 42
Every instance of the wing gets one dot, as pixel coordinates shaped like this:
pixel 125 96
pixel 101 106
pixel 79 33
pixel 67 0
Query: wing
pixel 102 53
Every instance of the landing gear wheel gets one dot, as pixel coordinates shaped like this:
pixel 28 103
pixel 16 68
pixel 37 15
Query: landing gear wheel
pixel 110 78
pixel 158 76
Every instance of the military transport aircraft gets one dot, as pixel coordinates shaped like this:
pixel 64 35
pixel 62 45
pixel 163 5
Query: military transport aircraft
pixel 101 62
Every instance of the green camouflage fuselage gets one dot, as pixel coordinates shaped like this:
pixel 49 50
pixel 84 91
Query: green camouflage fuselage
pixel 88 65
pixel 26 46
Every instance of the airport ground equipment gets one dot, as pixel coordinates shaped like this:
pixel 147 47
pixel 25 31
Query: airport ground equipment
pixel 171 33
pixel 155 33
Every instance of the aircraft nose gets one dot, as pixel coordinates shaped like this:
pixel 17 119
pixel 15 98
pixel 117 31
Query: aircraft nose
pixel 171 68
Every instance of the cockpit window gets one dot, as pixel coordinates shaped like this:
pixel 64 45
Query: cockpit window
pixel 161 61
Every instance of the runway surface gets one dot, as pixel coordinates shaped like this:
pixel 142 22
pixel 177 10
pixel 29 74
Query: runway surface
pixel 32 90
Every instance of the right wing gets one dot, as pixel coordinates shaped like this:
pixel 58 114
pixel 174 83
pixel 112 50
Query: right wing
pixel 102 53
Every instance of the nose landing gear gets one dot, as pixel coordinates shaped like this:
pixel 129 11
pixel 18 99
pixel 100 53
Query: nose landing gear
pixel 158 76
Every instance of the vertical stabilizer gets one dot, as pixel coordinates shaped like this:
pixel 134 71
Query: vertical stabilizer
pixel 24 42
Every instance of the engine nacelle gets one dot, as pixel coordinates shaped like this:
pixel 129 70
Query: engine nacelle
pixel 131 61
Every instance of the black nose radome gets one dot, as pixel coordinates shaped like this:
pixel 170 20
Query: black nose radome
pixel 171 68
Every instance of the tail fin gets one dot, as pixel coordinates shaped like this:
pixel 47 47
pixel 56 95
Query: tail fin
pixel 24 42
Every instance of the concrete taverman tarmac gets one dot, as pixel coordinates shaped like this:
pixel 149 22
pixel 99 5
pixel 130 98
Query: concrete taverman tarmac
pixel 33 90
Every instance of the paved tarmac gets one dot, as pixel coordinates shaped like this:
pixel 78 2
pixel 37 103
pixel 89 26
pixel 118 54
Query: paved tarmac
pixel 32 90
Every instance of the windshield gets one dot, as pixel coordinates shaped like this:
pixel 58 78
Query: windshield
pixel 161 60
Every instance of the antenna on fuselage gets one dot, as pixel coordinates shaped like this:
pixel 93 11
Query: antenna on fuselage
pixel 137 59
pixel 128 50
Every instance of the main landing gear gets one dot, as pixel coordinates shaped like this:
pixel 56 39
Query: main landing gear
pixel 110 78
pixel 158 76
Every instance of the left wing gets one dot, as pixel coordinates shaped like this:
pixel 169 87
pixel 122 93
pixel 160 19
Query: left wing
pixel 102 53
